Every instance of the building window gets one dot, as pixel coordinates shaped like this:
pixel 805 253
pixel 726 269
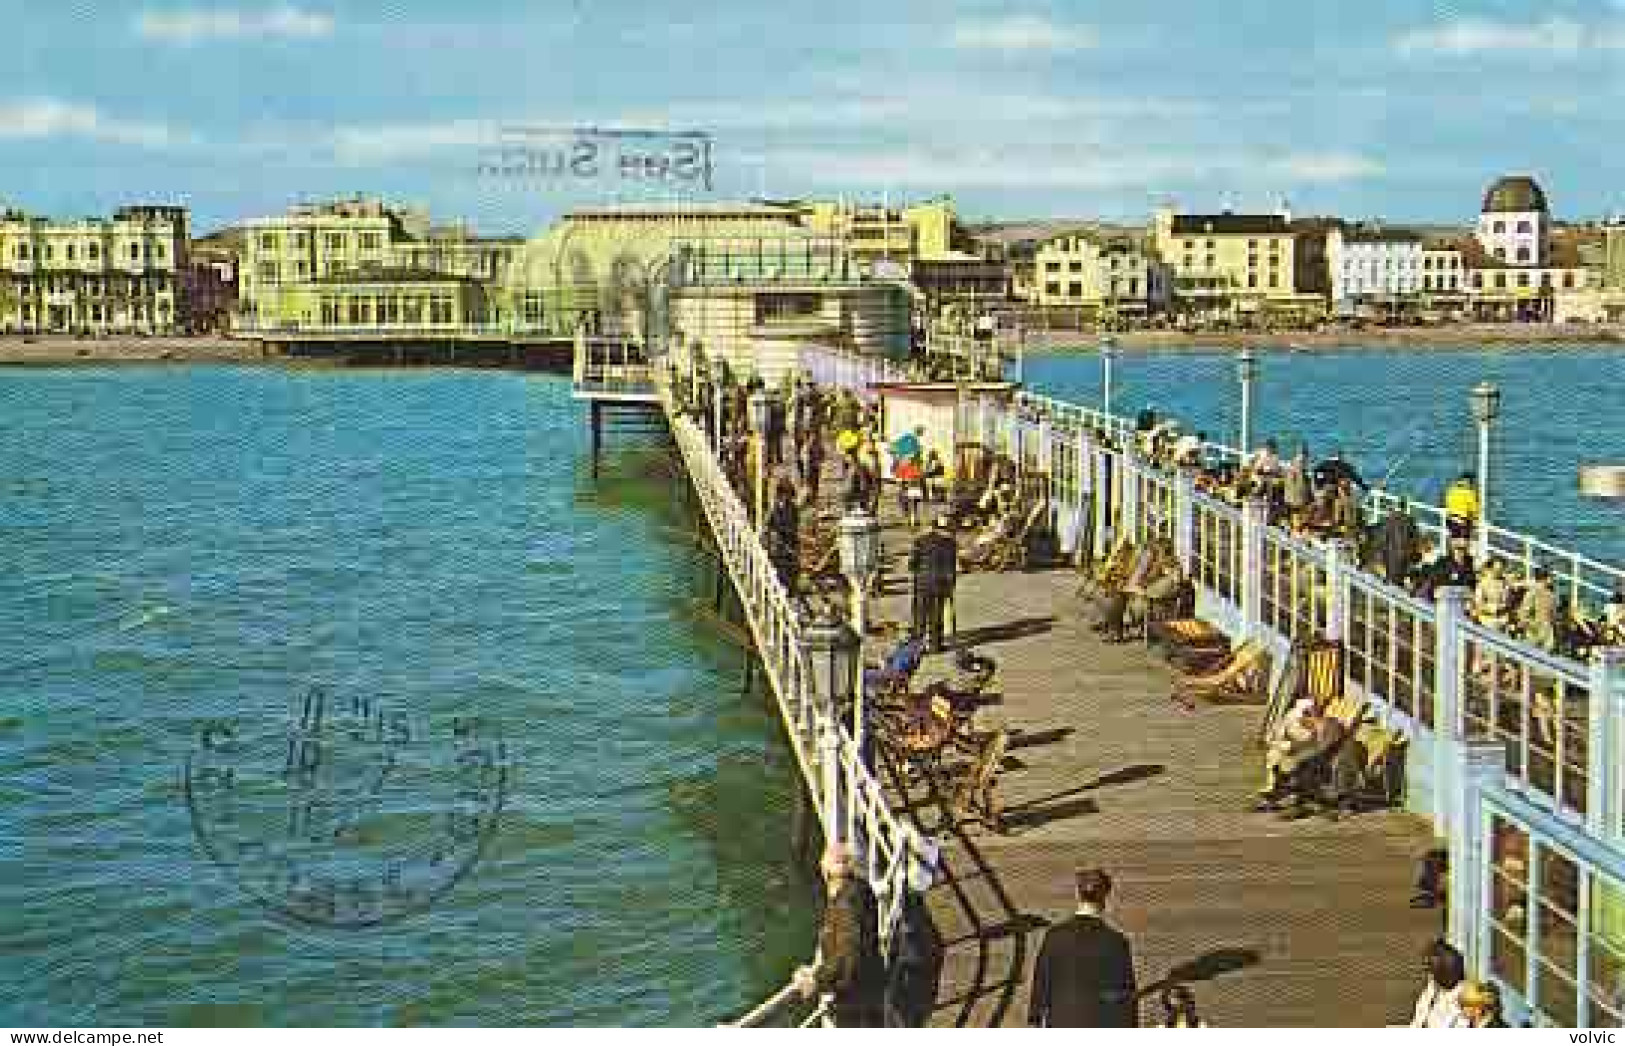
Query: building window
pixel 1524 227
pixel 268 241
pixel 1210 261
pixel 1499 227
pixel 49 252
pixel 1275 281
pixel 158 251
pixel 1568 281
pixel 335 241
pixel 1052 266
pixel 1075 266
pixel 95 250
pixel 1252 261
pixel 369 241
pixel 1523 254
pixel 1252 279
pixel 1133 286
pixel 1501 280
pixel 1252 245
pixel 1523 279
pixel 135 252
pixel 777 308
pixel 299 239
pixel 1190 245
pixel 71 252
pixel 1074 290
pixel 267 272
pixel 1052 289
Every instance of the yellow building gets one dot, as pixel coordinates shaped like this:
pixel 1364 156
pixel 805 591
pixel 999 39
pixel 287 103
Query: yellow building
pixel 1100 276
pixel 1232 266
pixel 876 232
pixel 93 275
pixel 388 300
pixel 284 257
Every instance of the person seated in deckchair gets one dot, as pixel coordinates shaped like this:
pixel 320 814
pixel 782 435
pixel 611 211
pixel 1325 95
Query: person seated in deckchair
pixel 1164 584
pixel 1306 736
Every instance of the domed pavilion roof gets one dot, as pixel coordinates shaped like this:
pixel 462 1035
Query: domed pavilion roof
pixel 1514 193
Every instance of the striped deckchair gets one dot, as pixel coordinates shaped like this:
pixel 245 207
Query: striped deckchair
pixel 1323 670
pixel 1244 679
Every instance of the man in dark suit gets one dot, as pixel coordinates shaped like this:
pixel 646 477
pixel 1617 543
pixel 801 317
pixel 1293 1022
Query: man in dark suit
pixel 1085 972
pixel 934 563
pixel 849 966
pixel 1398 544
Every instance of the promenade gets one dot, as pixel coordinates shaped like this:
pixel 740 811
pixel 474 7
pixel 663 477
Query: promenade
pixel 1272 923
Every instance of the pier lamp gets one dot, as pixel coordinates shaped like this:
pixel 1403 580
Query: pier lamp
pixel 1486 400
pixel 1108 352
pixel 858 539
pixel 832 652
pixel 1246 373
pixel 758 408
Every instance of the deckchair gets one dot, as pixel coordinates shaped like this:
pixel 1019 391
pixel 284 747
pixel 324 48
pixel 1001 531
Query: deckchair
pixel 1011 552
pixel 1242 680
pixel 975 794
pixel 1188 636
pixel 1112 571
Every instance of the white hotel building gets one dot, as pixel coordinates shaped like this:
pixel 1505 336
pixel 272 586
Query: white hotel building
pixel 1372 268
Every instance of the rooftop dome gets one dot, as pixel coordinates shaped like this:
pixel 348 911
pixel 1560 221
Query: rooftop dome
pixel 1515 193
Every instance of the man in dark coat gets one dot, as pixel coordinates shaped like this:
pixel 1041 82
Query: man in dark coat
pixel 1085 972
pixel 783 533
pixel 849 965
pixel 934 563
pixel 1334 470
pixel 1398 544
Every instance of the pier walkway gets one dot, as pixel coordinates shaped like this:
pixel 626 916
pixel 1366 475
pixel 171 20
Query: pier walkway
pixel 1272 923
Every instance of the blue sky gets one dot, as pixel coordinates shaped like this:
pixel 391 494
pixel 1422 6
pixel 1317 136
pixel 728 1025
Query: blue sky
pixel 1403 110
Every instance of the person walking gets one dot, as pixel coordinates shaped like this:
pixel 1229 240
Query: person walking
pixel 934 564
pixel 1179 1008
pixel 1084 977
pixel 849 966
pixel 783 533
pixel 1461 507
pixel 1295 493
pixel 1398 544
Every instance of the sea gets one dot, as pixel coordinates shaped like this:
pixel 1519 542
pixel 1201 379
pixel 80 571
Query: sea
pixel 352 697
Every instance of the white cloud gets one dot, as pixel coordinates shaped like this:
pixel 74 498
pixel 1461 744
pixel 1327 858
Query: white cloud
pixel 197 25
pixel 361 146
pixel 1022 33
pixel 40 118
pixel 1552 38
pixel 1325 167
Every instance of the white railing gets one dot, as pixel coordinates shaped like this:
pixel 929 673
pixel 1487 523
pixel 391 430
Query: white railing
pixel 850 801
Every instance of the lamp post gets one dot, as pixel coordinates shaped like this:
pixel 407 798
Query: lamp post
pixel 1108 352
pixel 858 539
pixel 757 408
pixel 833 651
pixel 1486 400
pixel 1246 372
pixel 719 375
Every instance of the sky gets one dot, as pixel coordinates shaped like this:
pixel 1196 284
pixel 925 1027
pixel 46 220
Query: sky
pixel 1402 110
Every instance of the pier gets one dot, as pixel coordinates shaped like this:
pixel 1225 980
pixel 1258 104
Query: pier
pixel 1512 761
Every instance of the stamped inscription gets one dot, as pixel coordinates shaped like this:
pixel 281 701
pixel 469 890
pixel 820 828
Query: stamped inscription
pixel 350 814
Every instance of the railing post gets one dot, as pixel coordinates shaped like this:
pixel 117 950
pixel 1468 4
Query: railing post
pixel 1255 516
pixel 1606 777
pixel 1448 668
pixel 1105 461
pixel 1185 518
pixel 1087 527
pixel 1481 764
pixel 1129 488
pixel 1339 562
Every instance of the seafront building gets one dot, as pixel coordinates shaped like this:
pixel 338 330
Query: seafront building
pixel 1101 278
pixel 363 263
pixel 118 275
pixel 1373 267
pixel 1231 267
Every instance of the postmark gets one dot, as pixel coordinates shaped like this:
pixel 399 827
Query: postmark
pixel 351 813
pixel 531 153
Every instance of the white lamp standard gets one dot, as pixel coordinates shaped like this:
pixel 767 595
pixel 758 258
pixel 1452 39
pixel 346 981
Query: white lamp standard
pixel 719 376
pixel 1108 352
pixel 1486 400
pixel 1246 372
pixel 758 409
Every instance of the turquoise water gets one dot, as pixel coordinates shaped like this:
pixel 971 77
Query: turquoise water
pixel 182 546
pixel 1405 413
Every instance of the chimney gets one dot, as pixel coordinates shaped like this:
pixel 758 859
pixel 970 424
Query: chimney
pixel 1284 209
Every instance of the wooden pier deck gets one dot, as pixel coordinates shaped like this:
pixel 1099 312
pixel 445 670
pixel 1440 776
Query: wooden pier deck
pixel 1272 923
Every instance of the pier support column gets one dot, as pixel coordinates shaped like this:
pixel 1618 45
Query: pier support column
pixel 595 413
pixel 1449 667
pixel 1185 518
pixel 1255 516
pixel 1607 776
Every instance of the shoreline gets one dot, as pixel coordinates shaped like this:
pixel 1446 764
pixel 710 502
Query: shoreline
pixel 47 350
pixel 1458 338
